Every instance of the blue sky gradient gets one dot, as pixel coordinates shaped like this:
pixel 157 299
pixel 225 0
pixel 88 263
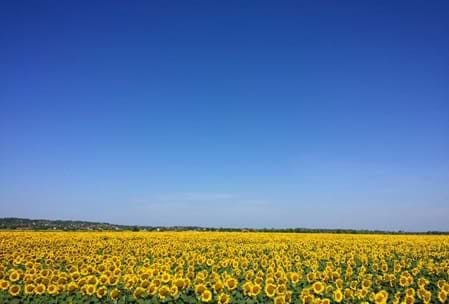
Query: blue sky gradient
pixel 330 114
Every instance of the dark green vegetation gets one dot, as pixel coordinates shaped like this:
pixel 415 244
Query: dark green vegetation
pixel 86 299
pixel 40 224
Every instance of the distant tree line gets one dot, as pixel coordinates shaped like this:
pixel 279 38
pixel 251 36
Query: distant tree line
pixel 65 225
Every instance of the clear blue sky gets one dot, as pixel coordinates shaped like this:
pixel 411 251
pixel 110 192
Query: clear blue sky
pixel 226 113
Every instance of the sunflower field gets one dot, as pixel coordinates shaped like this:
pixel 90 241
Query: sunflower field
pixel 221 267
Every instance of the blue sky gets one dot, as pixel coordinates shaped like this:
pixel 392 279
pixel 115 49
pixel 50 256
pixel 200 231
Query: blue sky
pixel 331 114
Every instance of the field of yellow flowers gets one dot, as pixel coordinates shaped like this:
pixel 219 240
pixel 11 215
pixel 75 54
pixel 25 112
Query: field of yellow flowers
pixel 221 267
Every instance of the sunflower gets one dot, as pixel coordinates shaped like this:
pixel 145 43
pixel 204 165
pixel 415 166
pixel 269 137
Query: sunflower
pixel 335 275
pixel 72 286
pixel 75 275
pixel 247 287
pixel 442 296
pixel 294 277
pixel 366 283
pixel 381 297
pixel 144 284
pixel 82 282
pixel 223 298
pixel 45 281
pixel 29 289
pixel 39 289
pixel 421 293
pixel 45 273
pixel 101 292
pixel 281 289
pixel 199 280
pixel 103 279
pixel 348 293
pixel 130 282
pixel 200 288
pixel 52 289
pixel 174 291
pixel 4 285
pixel 164 291
pixel 307 299
pixel 179 282
pixel 156 282
pixel 206 296
pixel 62 280
pixel 338 295
pixel 279 299
pixel 152 289
pixel 311 276
pixel 318 287
pixel 410 292
pixel 427 297
pixel 422 282
pixel 14 276
pixel 14 290
pixel 114 294
pixel 165 277
pixel 144 276
pixel 270 290
pixel 54 279
pixel 249 275
pixel 90 289
pixel 363 292
pixel 446 286
pixel 28 278
pixel 255 290
pixel 231 283
pixel 278 274
pixel 409 300
pixel 139 292
pixel 339 283
pixel 403 281
pixel 288 296
pixel 353 285
pixel 113 280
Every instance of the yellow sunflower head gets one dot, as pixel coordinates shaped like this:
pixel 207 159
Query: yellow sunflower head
pixel 255 289
pixel 338 296
pixel 114 294
pixel 139 292
pixel 14 276
pixel 318 287
pixel 174 291
pixel 101 292
pixel 223 298
pixel 206 296
pixel 270 290
pixel 4 284
pixel 14 290
pixel 231 283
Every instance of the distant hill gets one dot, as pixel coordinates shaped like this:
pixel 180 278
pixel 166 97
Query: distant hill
pixel 44 224
pixel 12 223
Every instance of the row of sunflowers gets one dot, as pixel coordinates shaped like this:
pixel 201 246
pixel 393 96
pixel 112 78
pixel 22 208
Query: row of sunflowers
pixel 221 267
